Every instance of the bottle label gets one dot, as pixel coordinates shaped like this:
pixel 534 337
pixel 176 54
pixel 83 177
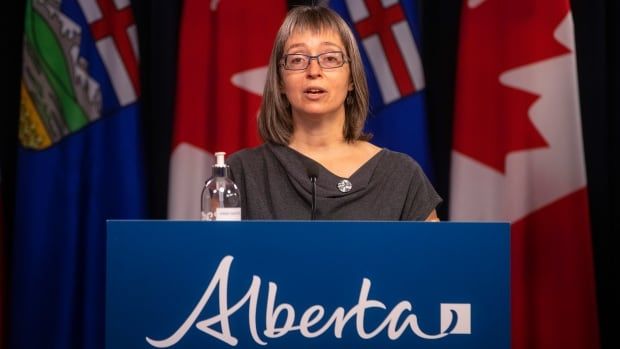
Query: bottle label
pixel 228 214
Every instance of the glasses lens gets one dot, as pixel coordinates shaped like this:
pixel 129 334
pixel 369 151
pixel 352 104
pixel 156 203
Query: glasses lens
pixel 331 59
pixel 295 62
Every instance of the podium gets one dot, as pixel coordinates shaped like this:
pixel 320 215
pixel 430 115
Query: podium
pixel 299 284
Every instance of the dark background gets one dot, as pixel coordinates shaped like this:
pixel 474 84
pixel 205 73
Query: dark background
pixel 597 32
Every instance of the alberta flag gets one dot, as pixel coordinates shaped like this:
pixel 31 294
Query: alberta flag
pixel 79 163
pixel 388 36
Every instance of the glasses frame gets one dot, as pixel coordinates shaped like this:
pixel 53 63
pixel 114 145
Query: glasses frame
pixel 345 60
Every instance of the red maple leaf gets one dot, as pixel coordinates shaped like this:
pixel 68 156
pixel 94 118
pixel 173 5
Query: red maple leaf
pixel 212 113
pixel 492 119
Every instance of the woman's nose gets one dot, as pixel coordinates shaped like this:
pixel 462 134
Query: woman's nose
pixel 313 67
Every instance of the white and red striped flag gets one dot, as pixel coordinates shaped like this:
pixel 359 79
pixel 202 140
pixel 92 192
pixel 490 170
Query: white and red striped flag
pixel 518 156
pixel 224 51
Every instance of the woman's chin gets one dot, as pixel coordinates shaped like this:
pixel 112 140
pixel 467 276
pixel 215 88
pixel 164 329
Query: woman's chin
pixel 317 111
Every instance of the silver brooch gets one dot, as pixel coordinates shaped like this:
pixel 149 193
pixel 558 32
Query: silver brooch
pixel 345 186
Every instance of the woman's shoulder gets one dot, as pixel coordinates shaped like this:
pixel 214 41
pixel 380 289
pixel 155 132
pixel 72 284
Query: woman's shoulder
pixel 399 160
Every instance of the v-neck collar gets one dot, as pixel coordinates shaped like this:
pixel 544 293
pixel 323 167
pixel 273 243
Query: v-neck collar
pixel 296 165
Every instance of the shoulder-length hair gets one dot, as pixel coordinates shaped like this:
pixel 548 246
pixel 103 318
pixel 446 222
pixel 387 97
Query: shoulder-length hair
pixel 275 120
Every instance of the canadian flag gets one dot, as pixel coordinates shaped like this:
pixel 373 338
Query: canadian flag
pixel 224 51
pixel 518 156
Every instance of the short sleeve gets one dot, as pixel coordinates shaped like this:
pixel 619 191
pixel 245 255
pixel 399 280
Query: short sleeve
pixel 421 198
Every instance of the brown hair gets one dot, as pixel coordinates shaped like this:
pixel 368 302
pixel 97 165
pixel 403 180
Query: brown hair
pixel 275 121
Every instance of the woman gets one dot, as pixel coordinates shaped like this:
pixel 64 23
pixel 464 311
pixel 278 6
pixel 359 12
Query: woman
pixel 316 161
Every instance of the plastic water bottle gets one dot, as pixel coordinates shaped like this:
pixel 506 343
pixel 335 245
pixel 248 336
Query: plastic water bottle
pixel 221 200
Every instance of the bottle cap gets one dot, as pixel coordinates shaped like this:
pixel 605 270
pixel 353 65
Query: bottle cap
pixel 219 159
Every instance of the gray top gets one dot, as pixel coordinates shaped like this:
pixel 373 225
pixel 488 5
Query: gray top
pixel 274 183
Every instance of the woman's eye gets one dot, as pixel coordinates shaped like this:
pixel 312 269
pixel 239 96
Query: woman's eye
pixel 297 60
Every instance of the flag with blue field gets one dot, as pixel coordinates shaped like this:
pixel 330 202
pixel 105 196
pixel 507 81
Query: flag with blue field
pixel 388 35
pixel 79 163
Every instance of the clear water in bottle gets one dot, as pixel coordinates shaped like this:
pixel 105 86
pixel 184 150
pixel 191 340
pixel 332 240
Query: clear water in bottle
pixel 221 200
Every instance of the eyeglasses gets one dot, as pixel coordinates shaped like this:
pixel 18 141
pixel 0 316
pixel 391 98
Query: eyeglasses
pixel 326 60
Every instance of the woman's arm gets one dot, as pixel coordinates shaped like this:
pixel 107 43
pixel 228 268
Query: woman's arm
pixel 432 217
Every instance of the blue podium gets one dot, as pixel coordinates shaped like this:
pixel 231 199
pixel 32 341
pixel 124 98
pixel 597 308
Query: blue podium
pixel 285 284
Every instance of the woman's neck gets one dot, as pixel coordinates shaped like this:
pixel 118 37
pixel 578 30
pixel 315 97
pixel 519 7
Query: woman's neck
pixel 317 133
pixel 316 141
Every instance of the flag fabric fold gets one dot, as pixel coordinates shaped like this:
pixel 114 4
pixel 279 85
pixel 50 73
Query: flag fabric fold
pixel 79 163
pixel 518 156
pixel 388 35
pixel 223 55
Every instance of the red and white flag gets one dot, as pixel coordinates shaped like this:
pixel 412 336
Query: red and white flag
pixel 518 156
pixel 224 52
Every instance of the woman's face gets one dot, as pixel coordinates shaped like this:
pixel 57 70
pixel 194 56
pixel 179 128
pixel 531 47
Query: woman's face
pixel 316 91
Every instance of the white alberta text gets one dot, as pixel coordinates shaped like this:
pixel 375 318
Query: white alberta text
pixel 455 318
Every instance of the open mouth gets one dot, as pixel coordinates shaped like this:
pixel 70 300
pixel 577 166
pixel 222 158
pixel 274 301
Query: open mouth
pixel 314 91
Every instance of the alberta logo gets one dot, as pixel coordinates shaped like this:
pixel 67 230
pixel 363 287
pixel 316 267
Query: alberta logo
pixel 62 91
pixel 312 322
